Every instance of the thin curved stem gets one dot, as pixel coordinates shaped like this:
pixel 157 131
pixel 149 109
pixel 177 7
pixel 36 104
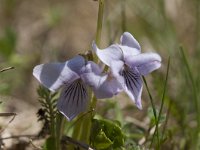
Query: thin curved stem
pixel 154 112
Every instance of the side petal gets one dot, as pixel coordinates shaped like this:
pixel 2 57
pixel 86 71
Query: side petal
pixel 54 75
pixel 108 87
pixel 108 54
pixel 128 40
pixel 145 63
pixel 102 85
pixel 73 99
pixel 133 86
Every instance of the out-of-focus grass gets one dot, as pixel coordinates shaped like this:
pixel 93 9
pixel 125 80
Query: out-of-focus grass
pixel 162 26
pixel 165 33
pixel 33 32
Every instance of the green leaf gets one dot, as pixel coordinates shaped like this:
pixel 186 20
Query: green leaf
pixel 50 144
pixel 101 141
pixel 106 134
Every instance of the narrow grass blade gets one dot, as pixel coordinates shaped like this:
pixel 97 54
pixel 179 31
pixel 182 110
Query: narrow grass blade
pixel 166 120
pixel 157 118
pixel 163 96
pixel 154 112
pixel 186 64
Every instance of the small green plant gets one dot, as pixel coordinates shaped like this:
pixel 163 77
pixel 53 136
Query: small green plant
pixel 83 81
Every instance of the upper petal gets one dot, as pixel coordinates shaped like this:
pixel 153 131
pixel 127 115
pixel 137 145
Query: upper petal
pixel 128 40
pixel 128 51
pixel 76 64
pixel 54 75
pixel 73 99
pixel 108 54
pixel 145 63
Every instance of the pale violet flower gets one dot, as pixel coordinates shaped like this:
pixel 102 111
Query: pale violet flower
pixel 128 64
pixel 74 76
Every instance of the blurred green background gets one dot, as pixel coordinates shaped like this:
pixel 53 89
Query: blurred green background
pixel 34 32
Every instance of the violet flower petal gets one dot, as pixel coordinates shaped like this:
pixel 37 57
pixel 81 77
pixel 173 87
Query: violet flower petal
pixel 130 80
pixel 91 67
pixel 145 63
pixel 102 85
pixel 128 40
pixel 54 75
pixel 133 85
pixel 127 51
pixel 76 64
pixel 108 54
pixel 116 69
pixel 73 99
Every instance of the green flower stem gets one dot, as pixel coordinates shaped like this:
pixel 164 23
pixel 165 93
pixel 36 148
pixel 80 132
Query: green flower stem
pixel 93 103
pixel 85 129
pixel 99 26
pixel 59 129
pixel 98 40
pixel 87 122
pixel 77 130
pixel 84 125
pixel 99 22
pixel 82 128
